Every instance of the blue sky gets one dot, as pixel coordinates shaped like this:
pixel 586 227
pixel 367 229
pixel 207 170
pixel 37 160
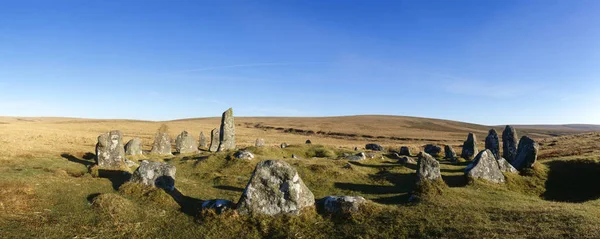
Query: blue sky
pixel 487 62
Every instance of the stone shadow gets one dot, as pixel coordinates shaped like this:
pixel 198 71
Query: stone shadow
pixel 403 184
pixel 74 159
pixel 189 205
pixel 455 181
pixel 573 181
pixel 116 177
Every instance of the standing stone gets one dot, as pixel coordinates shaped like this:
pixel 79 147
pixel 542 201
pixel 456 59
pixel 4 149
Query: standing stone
pixel 485 167
pixel 259 143
pixel 374 147
pixel 275 188
pixel 469 149
pixel 109 150
pixel 155 174
pixel 214 140
pixel 526 153
pixel 493 143
pixel 227 132
pixel 134 147
pixel 308 141
pixel 433 150
pixel 162 142
pixel 509 143
pixel 202 143
pixel 449 153
pixel 405 151
pixel 186 143
pixel 428 169
pixel 506 167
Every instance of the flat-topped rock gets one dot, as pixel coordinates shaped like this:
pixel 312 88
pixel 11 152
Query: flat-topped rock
pixel 218 205
pixel 356 157
pixel 110 152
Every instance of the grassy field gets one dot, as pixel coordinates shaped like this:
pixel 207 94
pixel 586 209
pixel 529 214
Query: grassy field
pixel 48 191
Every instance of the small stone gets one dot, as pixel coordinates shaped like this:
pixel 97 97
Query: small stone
pixel 371 155
pixel 374 147
pixel 130 163
pixel 355 148
pixel 134 147
pixel 359 156
pixel 308 141
pixel 450 153
pixel 433 150
pixel 294 156
pixel 243 154
pixel 259 143
pixel 405 151
pixel 186 143
pixel 341 204
pixel 109 150
pixel 347 166
pixel 526 153
pixel 155 174
pixel 218 205
pixel 283 145
pixel 485 166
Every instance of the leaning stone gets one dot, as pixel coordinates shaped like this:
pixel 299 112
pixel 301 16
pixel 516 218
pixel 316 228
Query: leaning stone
pixel 218 205
pixel 243 154
pixel 526 153
pixel 275 188
pixel 404 151
pixel 433 150
pixel 356 157
pixel 493 143
pixel 214 140
pixel 506 167
pixel 134 147
pixel 227 132
pixel 509 143
pixel 186 143
pixel 259 143
pixel 406 159
pixel 374 147
pixel 485 167
pixel 162 142
pixel 449 153
pixel 155 174
pixel 469 150
pixel 341 204
pixel 202 143
pixel 428 169
pixel 109 150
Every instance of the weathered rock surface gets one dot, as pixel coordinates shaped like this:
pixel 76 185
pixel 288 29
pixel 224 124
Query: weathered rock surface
pixel 449 153
pixel 227 132
pixel 275 188
pixel 259 143
pixel 358 156
pixel 243 154
pixel 202 143
pixel 404 151
pixel 218 205
pixel 526 153
pixel 433 150
pixel 341 204
pixel 428 169
pixel 509 143
pixel 214 140
pixel 162 143
pixel 485 167
pixel 186 143
pixel 134 147
pixel 374 147
pixel 493 143
pixel 406 159
pixel 469 150
pixel 130 163
pixel 155 174
pixel 109 149
pixel 506 167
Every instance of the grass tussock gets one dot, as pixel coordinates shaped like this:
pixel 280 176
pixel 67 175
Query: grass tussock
pixel 148 194
pixel 15 197
pixel 115 208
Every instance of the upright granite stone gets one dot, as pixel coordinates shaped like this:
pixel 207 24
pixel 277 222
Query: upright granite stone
pixel 155 174
pixel 214 140
pixel 186 143
pixel 259 143
pixel 433 150
pixel 162 142
pixel 341 204
pixel 275 188
pixel 449 153
pixel 134 147
pixel 509 143
pixel 109 150
pixel 404 151
pixel 469 149
pixel 526 153
pixel 493 143
pixel 227 132
pixel 202 142
pixel 428 169
pixel 485 167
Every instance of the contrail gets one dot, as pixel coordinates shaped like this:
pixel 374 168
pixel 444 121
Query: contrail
pixel 247 65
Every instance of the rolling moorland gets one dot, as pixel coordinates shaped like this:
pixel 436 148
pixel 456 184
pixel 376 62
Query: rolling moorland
pixel 47 186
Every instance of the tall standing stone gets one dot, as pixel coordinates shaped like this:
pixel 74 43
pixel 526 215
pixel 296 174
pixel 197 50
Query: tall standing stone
pixel 202 143
pixel 493 143
pixel 227 133
pixel 275 188
pixel 526 153
pixel 428 169
pixel 214 140
pixel 485 167
pixel 109 150
pixel 162 142
pixel 469 149
pixel 509 143
pixel 186 143
pixel 134 147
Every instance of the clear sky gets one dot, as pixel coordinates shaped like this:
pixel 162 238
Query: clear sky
pixel 487 62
